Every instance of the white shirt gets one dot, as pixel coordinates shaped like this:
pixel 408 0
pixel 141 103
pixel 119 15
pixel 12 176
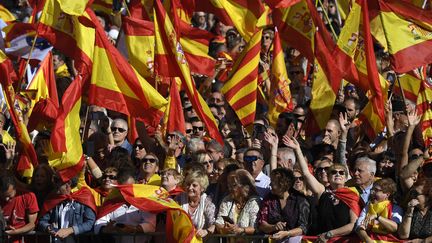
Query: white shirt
pixel 262 183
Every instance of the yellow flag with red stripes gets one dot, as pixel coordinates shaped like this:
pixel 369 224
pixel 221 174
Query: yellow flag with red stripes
pixel 240 90
pixel 424 107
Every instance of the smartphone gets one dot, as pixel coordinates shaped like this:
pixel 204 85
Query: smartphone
pixel 227 219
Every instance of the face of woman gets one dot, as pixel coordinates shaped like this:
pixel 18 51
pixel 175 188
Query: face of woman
pixel 169 182
pixel 337 176
pixel 298 181
pixel 149 164
pixel 41 180
pixel 140 151
pixel 109 179
pixel 194 189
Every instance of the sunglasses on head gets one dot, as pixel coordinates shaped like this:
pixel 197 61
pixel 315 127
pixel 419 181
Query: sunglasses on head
pixel 111 177
pixel 250 158
pixel 139 146
pixel 339 172
pixel 114 129
pixel 148 160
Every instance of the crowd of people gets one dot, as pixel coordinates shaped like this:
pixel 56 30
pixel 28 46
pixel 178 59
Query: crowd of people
pixel 276 180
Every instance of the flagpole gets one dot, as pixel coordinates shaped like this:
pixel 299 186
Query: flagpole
pixel 86 126
pixel 403 94
pixel 27 62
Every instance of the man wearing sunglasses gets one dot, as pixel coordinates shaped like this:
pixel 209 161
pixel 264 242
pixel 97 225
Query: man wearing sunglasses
pixel 119 129
pixel 254 163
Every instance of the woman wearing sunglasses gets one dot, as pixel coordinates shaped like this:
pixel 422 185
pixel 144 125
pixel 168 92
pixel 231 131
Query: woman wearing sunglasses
pixel 417 221
pixel 149 169
pixel 338 206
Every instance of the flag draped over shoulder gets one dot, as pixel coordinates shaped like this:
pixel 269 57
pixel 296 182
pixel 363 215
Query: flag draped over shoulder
pixel 155 199
pixel 116 85
pixel 280 94
pixel 167 44
pixel 408 30
pixel 241 89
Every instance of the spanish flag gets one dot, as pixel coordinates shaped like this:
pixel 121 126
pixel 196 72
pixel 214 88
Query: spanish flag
pixel 408 30
pixel 72 35
pixel 410 84
pixel 424 107
pixel 6 15
pixel 140 42
pixel 155 199
pixel 212 6
pixel 358 57
pixel 116 85
pixel 174 118
pixel 167 44
pixel 103 6
pixel 241 89
pixel 141 9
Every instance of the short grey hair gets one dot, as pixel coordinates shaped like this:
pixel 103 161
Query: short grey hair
pixel 370 162
pixel 194 145
pixel 288 154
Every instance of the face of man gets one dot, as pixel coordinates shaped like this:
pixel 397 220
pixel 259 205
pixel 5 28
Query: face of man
pixel 198 129
pixel 57 61
pixel 119 130
pixel 189 130
pixel 217 99
pixel 9 194
pixel 331 131
pixel 351 110
pixel 253 162
pixel 362 175
pixel 283 161
pixel 214 154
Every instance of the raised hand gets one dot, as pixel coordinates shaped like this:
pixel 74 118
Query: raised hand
pixel 290 142
pixel 413 118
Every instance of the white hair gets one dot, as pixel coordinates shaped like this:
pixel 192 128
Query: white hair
pixel 288 154
pixel 370 163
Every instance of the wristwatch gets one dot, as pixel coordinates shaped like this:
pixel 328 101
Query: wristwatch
pixel 328 235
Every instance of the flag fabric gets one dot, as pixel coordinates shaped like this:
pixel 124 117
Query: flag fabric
pixel 174 118
pixel 103 6
pixel 141 9
pixel 155 199
pixel 351 197
pixel 358 57
pixel 167 44
pixel 212 6
pixel 72 35
pixel 410 83
pixel 6 15
pixel 28 158
pixel 240 91
pixel 76 7
pixel 424 108
pixel 280 94
pixel 116 85
pixel 140 42
pixel 67 153
pixel 408 32
pixel 19 40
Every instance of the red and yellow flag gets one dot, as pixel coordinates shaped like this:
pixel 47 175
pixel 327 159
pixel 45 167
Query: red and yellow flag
pixel 116 85
pixel 167 44
pixel 174 118
pixel 424 107
pixel 408 30
pixel 141 9
pixel 410 83
pixel 280 94
pixel 241 89
pixel 155 199
pixel 103 6
pixel 6 15
pixel 140 42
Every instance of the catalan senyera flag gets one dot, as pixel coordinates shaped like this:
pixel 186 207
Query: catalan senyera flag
pixel 195 43
pixel 153 199
pixel 67 155
pixel 167 44
pixel 408 30
pixel 116 85
pixel 240 90
pixel 140 42
pixel 280 94
pixel 28 158
pixel 355 44
pixel 72 35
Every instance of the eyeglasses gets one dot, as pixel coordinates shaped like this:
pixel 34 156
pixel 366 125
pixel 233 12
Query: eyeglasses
pixel 300 178
pixel 322 169
pixel 250 158
pixel 266 37
pixel 111 177
pixel 147 160
pixel 198 128
pixel 339 172
pixel 121 130
pixel 376 189
pixel 189 131
pixel 139 146
pixel 207 162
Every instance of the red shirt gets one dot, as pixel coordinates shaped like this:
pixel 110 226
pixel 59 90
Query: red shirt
pixel 16 209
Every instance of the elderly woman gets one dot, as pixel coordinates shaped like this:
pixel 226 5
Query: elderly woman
pixel 171 180
pixel 285 212
pixel 239 210
pixel 417 221
pixel 338 206
pixel 197 203
pixel 380 216
pixel 205 159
